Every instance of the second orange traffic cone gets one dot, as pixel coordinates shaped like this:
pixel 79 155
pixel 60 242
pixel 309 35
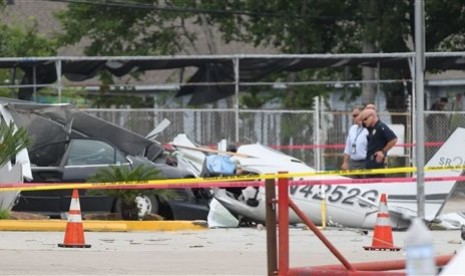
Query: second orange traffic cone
pixel 382 237
pixel 74 235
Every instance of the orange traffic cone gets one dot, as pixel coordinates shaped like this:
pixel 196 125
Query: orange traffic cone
pixel 382 238
pixel 74 235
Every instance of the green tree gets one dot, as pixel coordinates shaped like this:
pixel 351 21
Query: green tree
pixel 445 23
pixel 119 30
pixel 304 27
pixel 145 27
pixel 25 41
pixel 122 29
pixel 21 41
pixel 322 26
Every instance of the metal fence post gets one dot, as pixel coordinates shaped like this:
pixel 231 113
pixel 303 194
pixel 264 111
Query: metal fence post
pixel 271 242
pixel 283 224
pixel 316 133
pixel 236 89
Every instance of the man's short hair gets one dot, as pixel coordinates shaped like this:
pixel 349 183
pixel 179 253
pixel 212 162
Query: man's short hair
pixel 371 106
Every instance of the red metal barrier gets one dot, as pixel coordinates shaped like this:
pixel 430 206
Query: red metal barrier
pixel 320 235
pixel 283 226
pixel 375 266
pixel 369 268
pixel 315 271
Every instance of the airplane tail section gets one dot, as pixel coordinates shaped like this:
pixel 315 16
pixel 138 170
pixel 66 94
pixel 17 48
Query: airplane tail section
pixel 449 153
pixel 447 162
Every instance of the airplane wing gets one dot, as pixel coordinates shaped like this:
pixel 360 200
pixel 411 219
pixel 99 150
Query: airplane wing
pixel 268 160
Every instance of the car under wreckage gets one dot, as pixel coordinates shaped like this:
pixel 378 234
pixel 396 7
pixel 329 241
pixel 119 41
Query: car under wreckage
pixel 70 145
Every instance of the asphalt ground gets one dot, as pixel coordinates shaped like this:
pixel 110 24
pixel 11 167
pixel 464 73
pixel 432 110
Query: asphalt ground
pixel 30 247
pixel 234 251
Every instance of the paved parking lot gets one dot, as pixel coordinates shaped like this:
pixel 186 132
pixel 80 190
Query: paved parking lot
pixel 240 251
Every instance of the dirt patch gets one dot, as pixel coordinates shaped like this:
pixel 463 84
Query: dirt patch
pixel 27 216
pixel 116 216
pixel 90 216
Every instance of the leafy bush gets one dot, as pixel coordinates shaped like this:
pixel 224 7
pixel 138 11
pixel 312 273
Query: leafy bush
pixel 4 214
pixel 12 141
pixel 127 197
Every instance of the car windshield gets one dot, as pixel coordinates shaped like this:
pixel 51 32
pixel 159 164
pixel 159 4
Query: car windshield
pixel 93 152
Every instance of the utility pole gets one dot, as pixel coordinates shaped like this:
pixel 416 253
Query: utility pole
pixel 420 118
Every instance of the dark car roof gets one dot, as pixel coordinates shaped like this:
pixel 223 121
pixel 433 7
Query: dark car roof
pixel 49 122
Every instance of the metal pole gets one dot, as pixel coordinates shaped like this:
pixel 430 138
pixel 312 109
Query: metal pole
pixel 12 82
pixel 236 84
pixel 318 165
pixel 412 111
pixel 378 84
pixel 283 225
pixel 419 89
pixel 34 81
pixel 58 69
pixel 316 131
pixel 271 241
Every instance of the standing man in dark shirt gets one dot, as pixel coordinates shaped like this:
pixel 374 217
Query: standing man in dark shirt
pixel 380 140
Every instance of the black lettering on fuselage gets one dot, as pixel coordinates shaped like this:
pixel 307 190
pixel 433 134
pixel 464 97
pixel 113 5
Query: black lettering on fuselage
pixel 457 161
pixel 454 161
pixel 444 161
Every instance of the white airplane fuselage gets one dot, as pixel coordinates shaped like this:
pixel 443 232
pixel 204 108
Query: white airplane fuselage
pixel 348 205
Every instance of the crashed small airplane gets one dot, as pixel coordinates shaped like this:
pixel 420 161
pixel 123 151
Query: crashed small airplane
pixel 348 205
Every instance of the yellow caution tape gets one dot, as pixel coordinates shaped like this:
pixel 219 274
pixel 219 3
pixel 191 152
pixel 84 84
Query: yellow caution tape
pixel 184 181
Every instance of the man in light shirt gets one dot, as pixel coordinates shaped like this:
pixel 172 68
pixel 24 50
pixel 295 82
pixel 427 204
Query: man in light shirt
pixel 355 150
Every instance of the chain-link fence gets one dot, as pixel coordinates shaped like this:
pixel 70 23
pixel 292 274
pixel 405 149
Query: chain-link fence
pixel 438 126
pixel 316 139
pixel 318 142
